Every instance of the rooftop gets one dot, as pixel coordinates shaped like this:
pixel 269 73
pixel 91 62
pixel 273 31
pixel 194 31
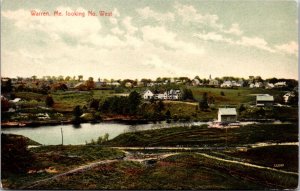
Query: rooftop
pixel 265 97
pixel 227 111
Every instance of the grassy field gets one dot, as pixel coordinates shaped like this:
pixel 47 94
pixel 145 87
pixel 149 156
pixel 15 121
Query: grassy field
pixel 284 157
pixel 66 101
pixel 201 136
pixel 181 171
pixel 184 171
pixel 51 160
pixel 232 96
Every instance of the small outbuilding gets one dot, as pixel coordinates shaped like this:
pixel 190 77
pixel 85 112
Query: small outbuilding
pixel 227 115
pixel 264 100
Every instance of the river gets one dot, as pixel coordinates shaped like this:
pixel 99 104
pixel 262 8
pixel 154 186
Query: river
pixel 72 135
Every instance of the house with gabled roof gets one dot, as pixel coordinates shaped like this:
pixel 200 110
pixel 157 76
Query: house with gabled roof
pixel 263 100
pixel 228 115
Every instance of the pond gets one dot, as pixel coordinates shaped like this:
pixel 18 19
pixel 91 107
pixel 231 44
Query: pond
pixel 51 135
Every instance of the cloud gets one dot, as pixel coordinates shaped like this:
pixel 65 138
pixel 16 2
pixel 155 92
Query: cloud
pixel 127 22
pixel 246 41
pixel 213 36
pixel 169 39
pixel 117 31
pixel 289 48
pixel 256 42
pixel 147 13
pixel 115 14
pixel 190 14
pixel 234 29
pixel 113 20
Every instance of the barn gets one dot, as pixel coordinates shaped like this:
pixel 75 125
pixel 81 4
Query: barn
pixel 227 115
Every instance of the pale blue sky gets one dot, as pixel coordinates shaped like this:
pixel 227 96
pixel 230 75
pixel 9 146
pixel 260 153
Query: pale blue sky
pixel 148 39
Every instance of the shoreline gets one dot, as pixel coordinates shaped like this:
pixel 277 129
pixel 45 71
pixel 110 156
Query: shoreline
pixel 126 120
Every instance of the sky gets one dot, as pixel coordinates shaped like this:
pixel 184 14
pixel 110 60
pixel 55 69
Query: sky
pixel 150 39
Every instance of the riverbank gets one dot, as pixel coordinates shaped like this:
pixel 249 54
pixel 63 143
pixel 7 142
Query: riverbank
pixel 203 136
pixel 117 118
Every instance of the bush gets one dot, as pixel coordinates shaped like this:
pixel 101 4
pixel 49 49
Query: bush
pixel 15 158
pixel 49 101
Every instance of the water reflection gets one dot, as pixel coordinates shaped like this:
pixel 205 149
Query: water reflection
pixel 76 125
pixel 80 134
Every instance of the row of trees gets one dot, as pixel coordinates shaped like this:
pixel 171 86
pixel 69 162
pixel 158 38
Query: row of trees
pixel 122 105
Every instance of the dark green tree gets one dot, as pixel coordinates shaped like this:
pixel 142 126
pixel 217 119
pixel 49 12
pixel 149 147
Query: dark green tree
pixel 160 106
pixel 187 94
pixel 49 101
pixel 77 112
pixel 203 104
pixel 134 101
pixel 241 108
pixel 94 104
pixel 168 114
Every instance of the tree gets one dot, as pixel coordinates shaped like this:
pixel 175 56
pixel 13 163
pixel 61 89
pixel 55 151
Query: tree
pixel 187 94
pixel 168 114
pixel 211 100
pixel 49 101
pixel 77 112
pixel 105 137
pixel 241 108
pixel 80 77
pixel 222 93
pixel 68 78
pixel 293 100
pixel 4 104
pixel 203 104
pixel 6 85
pixel 94 104
pixel 160 106
pixel 134 101
pixel 90 84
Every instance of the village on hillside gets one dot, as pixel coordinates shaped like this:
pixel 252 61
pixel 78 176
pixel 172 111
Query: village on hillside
pixel 47 98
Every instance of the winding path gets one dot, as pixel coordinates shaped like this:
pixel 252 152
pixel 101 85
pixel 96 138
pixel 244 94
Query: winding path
pixel 78 169
pixel 247 164
pixel 129 157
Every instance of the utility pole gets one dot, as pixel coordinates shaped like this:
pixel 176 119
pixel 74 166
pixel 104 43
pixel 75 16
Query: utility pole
pixel 226 137
pixel 62 136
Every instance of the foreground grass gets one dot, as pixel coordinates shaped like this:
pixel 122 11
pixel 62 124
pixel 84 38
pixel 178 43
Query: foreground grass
pixel 282 157
pixel 184 171
pixel 51 160
pixel 203 136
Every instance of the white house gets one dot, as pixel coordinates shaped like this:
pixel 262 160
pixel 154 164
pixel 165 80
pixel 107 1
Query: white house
pixel 269 86
pixel 226 84
pixel 280 84
pixel 264 100
pixel 213 82
pixel 258 85
pixel 167 95
pixel 227 115
pixel 195 82
pixel 172 94
pixel 287 96
pixel 148 94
